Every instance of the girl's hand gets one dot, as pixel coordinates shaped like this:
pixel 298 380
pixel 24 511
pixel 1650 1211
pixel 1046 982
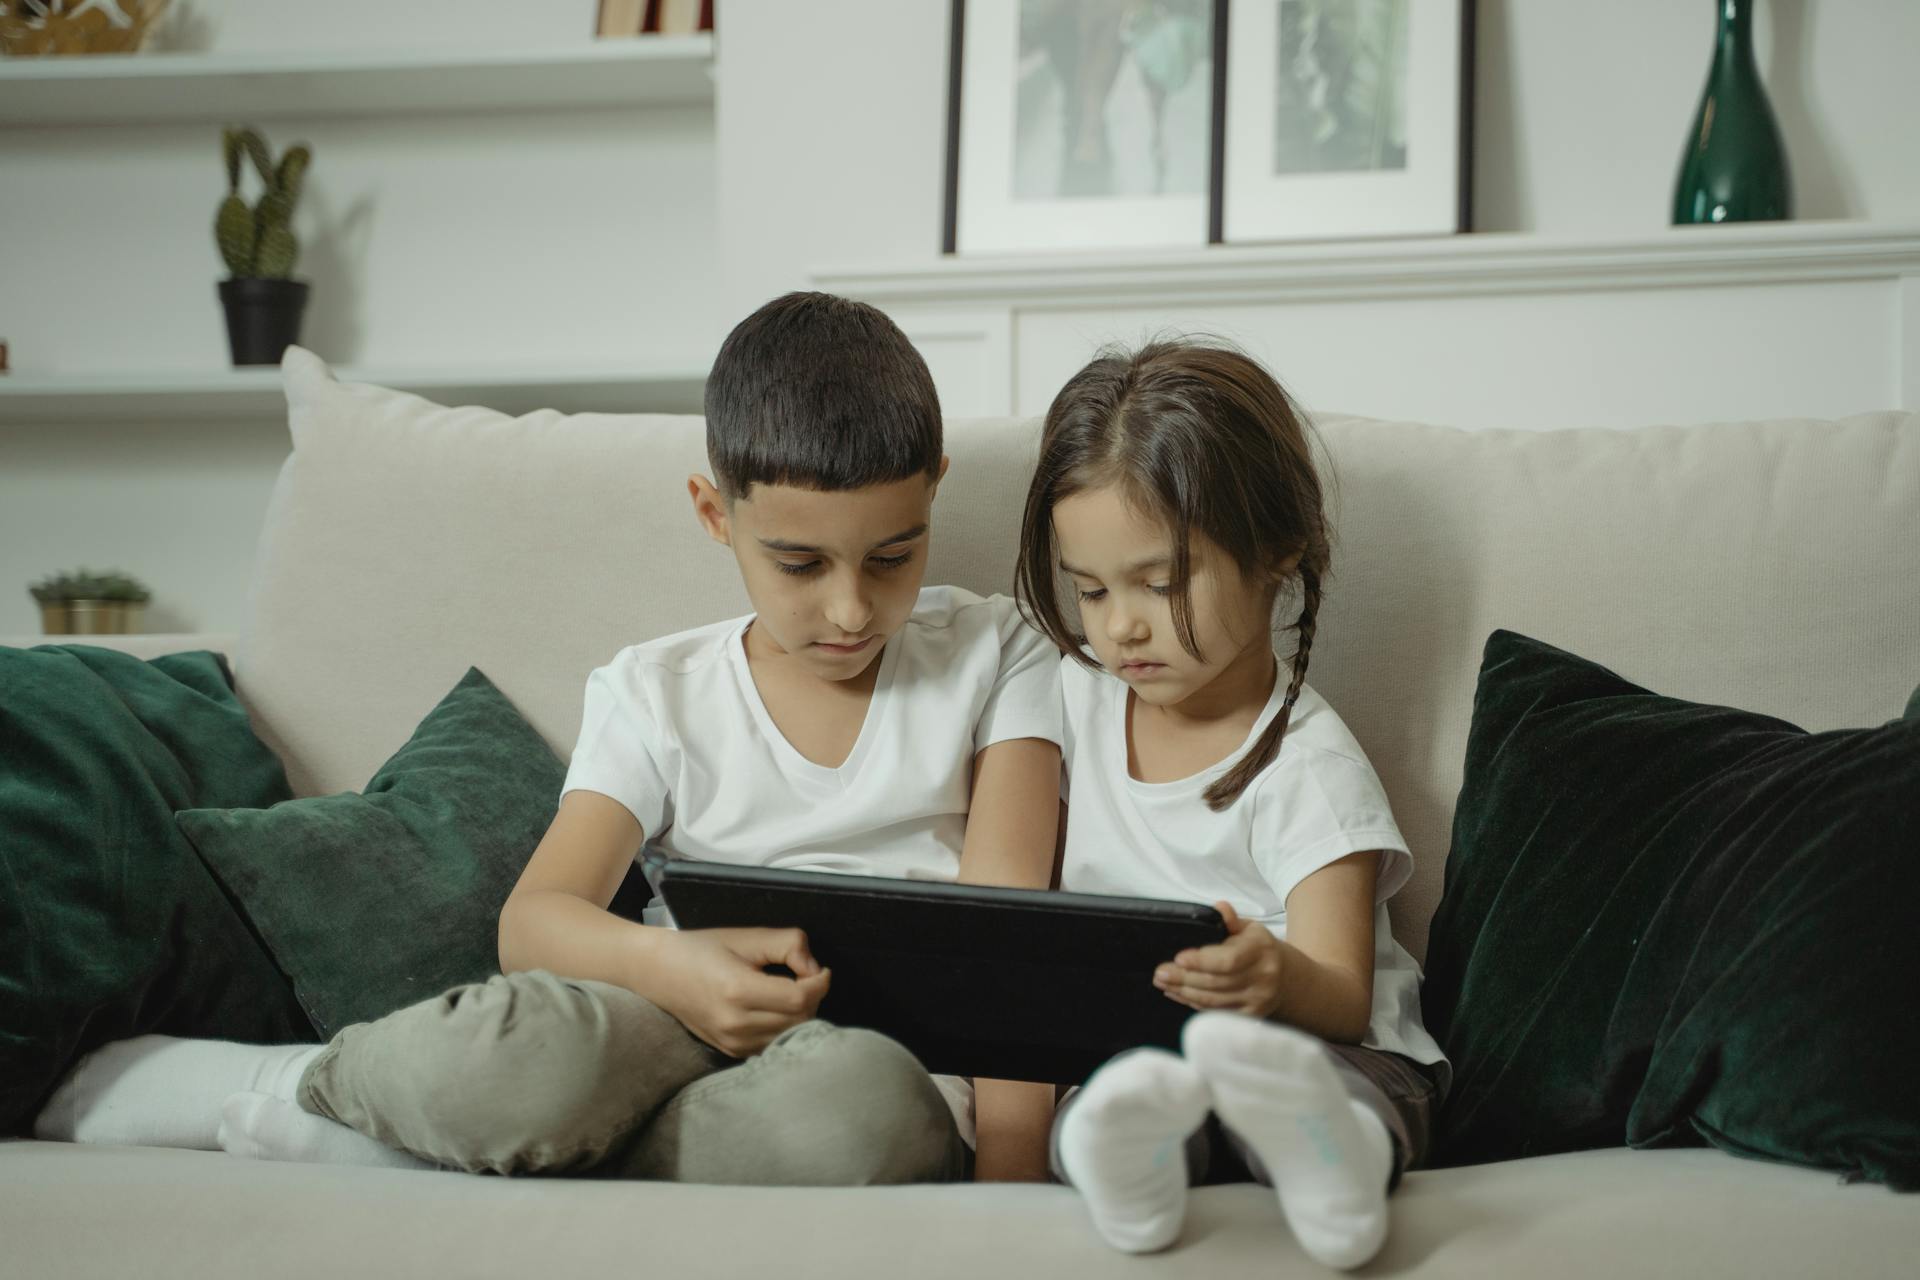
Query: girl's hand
pixel 716 984
pixel 1246 973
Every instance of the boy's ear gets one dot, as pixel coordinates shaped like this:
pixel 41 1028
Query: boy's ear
pixel 941 474
pixel 710 509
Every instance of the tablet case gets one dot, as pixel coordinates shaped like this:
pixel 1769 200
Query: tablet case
pixel 1013 984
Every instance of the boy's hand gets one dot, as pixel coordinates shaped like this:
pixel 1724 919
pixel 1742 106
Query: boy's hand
pixel 1245 973
pixel 718 988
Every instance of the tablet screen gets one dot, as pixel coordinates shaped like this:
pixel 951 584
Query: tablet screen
pixel 1022 984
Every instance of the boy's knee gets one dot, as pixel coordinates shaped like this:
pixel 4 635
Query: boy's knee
pixel 511 1074
pixel 892 1126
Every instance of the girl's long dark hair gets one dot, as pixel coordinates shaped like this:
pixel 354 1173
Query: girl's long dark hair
pixel 1206 439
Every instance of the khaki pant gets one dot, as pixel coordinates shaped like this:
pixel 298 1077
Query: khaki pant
pixel 530 1073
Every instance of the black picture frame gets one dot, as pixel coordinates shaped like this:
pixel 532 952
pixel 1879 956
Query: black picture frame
pixel 1464 105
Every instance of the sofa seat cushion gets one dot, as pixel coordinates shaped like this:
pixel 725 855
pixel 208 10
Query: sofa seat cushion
pixel 1604 1214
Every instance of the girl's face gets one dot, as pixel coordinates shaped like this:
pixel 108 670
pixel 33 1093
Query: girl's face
pixel 1120 559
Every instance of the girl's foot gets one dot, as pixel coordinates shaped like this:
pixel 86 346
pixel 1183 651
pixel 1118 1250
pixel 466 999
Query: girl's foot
pixel 1330 1158
pixel 1122 1144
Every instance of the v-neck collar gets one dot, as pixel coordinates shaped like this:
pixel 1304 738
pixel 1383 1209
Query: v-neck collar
pixel 749 690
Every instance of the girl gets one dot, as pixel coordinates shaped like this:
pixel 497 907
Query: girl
pixel 1176 490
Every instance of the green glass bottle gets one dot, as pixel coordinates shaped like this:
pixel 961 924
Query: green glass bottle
pixel 1734 168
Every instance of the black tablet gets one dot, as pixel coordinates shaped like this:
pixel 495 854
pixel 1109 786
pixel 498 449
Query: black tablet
pixel 1014 984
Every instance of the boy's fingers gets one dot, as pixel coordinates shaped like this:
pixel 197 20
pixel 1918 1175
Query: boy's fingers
pixel 774 946
pixel 772 993
pixel 813 989
pixel 800 956
pixel 793 999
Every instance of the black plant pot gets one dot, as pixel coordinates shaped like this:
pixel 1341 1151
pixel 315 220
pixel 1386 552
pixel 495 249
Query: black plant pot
pixel 263 317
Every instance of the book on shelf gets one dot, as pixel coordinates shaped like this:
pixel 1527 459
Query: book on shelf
pixel 678 17
pixel 621 17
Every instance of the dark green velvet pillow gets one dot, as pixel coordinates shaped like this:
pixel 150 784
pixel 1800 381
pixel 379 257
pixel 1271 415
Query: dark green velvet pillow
pixel 109 926
pixel 1666 923
pixel 372 902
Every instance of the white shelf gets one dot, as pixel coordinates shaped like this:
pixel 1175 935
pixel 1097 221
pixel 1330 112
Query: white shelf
pixel 1475 263
pixel 156 87
pixel 230 394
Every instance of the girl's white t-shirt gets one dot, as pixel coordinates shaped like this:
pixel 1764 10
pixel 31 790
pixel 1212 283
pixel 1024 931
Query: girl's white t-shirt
pixel 1315 803
pixel 676 731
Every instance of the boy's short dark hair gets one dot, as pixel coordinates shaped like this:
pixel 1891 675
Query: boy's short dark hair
pixel 823 393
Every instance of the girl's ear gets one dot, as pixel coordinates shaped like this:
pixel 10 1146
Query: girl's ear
pixel 710 509
pixel 1283 569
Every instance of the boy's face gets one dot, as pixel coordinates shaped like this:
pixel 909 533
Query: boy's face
pixel 831 576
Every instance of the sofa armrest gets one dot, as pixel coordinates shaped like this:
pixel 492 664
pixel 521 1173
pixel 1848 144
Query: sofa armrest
pixel 140 646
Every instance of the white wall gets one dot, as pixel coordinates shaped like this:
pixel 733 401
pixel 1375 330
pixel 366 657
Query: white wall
pixel 562 238
pixel 584 236
pixel 1581 112
pixel 1584 107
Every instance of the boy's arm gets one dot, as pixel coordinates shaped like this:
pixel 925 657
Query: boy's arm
pixel 1012 823
pixel 1013 816
pixel 710 979
pixel 556 917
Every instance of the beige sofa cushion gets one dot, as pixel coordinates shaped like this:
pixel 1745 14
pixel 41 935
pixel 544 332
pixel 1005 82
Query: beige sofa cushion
pixel 1769 565
pixel 77 1211
pixel 406 541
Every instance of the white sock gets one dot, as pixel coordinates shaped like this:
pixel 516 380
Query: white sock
pixel 1330 1157
pixel 159 1091
pixel 260 1126
pixel 1122 1145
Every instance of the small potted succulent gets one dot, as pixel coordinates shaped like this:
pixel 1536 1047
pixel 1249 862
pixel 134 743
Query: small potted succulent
pixel 262 299
pixel 84 603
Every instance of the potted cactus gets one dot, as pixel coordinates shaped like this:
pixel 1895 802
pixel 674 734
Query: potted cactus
pixel 262 299
pixel 84 603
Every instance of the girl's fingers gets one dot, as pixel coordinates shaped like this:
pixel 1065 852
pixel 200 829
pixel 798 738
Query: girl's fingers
pixel 1224 958
pixel 1199 980
pixel 1205 999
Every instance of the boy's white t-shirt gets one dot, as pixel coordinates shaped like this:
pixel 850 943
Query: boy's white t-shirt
pixel 1315 803
pixel 676 731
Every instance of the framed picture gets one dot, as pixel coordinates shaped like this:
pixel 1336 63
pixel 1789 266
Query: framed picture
pixel 1341 118
pixel 1078 124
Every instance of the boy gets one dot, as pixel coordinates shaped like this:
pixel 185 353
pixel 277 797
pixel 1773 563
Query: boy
pixel 853 722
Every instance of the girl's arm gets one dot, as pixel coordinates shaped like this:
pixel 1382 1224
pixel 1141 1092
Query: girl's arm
pixel 1319 978
pixel 710 979
pixel 1012 822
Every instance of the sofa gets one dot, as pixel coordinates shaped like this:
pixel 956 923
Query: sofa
pixel 1765 565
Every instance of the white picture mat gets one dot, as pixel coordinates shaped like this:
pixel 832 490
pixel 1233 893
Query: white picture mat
pixel 988 217
pixel 1423 198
